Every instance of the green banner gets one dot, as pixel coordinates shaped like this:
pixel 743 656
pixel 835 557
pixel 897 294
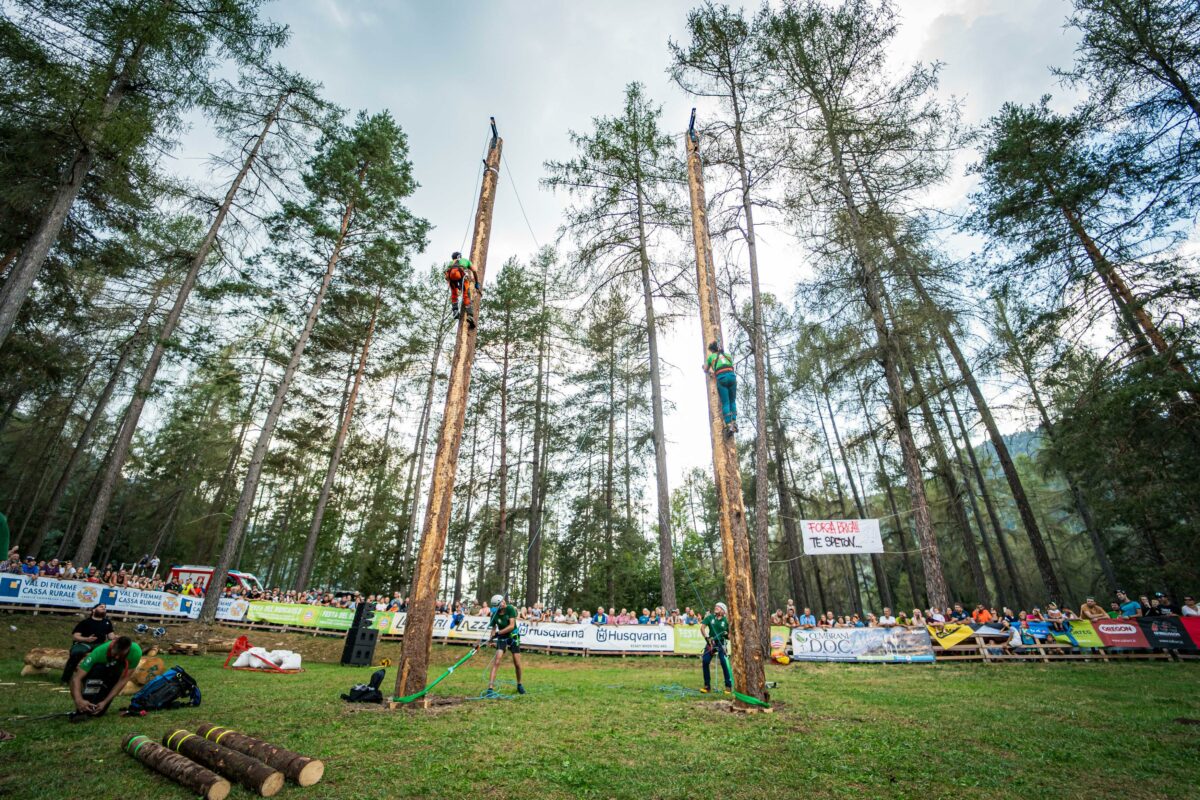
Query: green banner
pixel 689 639
pixel 1083 634
pixel 303 616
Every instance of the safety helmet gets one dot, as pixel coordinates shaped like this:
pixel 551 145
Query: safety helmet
pixel 723 607
pixel 456 254
pixel 497 599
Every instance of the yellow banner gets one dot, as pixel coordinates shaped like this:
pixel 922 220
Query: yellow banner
pixel 950 634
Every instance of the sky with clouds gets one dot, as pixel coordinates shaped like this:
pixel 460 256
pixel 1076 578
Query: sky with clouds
pixel 544 67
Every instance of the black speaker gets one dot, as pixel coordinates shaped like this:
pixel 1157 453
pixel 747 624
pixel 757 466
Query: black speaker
pixel 359 649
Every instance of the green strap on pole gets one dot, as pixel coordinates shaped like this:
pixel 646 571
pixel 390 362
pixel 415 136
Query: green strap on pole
pixel 745 698
pixel 446 674
pixel 442 677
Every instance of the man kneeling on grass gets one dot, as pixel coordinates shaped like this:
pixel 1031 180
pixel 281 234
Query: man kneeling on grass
pixel 101 676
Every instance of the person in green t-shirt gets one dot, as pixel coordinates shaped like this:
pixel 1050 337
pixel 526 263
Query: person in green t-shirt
pixel 507 637
pixel 101 676
pixel 720 366
pixel 715 628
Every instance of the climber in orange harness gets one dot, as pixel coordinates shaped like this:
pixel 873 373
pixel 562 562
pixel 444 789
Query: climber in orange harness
pixel 461 277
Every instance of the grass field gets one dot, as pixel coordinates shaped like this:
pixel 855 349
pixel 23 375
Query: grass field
pixel 601 728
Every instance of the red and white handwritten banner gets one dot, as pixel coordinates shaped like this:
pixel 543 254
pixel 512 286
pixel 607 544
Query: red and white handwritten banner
pixel 840 536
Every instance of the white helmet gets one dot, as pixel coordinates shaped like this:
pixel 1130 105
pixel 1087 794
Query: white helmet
pixel 497 599
pixel 723 607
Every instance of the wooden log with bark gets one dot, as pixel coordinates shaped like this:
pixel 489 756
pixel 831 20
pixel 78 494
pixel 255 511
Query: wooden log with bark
pixel 301 769
pixel 41 660
pixel 179 769
pixel 256 776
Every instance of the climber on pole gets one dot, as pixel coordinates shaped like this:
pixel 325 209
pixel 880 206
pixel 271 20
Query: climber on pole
pixel 715 628
pixel 720 366
pixel 461 278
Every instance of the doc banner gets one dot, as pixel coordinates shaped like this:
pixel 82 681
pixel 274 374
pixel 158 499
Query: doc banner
pixel 896 645
pixel 836 536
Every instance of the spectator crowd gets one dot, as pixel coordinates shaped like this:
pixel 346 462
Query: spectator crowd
pixel 144 575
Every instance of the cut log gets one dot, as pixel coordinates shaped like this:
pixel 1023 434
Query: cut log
pixel 183 771
pixel 246 770
pixel 301 769
pixel 47 658
pixel 187 649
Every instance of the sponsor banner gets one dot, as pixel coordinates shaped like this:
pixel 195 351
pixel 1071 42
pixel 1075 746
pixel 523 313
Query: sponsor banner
pixel 950 634
pixel 551 634
pixel 862 644
pixel 1082 634
pixel 689 640
pixel 1192 626
pixel 779 640
pixel 24 590
pixel 630 638
pixel 1120 633
pixel 302 616
pixel 1167 633
pixel 138 601
pixel 231 608
pixel 833 536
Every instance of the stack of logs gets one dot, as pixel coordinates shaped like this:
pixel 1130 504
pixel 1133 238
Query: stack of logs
pixel 206 761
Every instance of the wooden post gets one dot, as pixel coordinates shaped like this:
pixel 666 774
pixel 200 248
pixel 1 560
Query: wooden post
pixel 418 633
pixel 745 655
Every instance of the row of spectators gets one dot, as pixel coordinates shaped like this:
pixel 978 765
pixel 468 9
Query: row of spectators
pixel 1123 607
pixel 144 576
pixel 1003 617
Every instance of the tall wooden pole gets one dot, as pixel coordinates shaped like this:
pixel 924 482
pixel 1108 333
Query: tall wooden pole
pixel 745 655
pixel 418 633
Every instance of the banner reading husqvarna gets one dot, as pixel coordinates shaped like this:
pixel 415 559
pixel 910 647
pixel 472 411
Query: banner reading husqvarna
pixel 902 645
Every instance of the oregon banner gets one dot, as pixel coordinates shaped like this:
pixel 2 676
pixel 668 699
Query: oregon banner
pixel 950 635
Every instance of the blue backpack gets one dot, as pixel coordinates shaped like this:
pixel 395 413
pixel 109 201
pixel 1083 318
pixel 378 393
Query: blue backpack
pixel 172 689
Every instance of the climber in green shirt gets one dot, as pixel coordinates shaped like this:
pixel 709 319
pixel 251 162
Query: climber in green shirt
pixel 720 366
pixel 715 628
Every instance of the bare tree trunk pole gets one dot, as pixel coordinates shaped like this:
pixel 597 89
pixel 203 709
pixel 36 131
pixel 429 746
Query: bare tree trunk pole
pixel 745 638
pixel 418 636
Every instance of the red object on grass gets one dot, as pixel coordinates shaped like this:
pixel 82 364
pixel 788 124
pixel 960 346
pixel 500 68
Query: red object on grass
pixel 241 645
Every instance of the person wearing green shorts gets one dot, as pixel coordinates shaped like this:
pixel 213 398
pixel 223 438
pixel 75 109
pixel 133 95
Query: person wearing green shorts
pixel 101 676
pixel 507 637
